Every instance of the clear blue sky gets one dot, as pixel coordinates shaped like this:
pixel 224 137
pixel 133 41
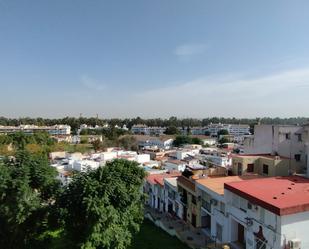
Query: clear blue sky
pixel 194 58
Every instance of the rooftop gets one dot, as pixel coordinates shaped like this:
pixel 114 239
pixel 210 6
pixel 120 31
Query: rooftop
pixel 172 181
pixel 269 156
pixel 159 178
pixel 216 184
pixel 280 195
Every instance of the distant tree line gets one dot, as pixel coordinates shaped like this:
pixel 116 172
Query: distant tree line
pixel 129 122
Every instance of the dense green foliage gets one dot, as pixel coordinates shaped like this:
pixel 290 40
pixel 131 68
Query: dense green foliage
pixel 223 140
pixel 172 130
pixel 127 142
pixel 109 133
pixel 222 132
pixel 103 208
pixel 27 188
pixel 100 208
pixel 181 140
pixel 20 139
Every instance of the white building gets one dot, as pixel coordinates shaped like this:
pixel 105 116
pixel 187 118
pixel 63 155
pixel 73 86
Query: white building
pixel 235 130
pixel 217 160
pixel 54 130
pixel 155 142
pixel 268 213
pixel 214 218
pixel 142 158
pixel 107 156
pixel 177 165
pixel 146 130
pixel 171 195
pixel 84 165
pixel 283 140
pixel 154 188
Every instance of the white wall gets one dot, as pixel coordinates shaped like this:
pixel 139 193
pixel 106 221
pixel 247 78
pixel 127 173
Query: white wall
pixel 296 226
pixel 143 158
pixel 173 166
pixel 105 156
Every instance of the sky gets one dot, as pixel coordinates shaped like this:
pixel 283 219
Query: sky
pixel 154 58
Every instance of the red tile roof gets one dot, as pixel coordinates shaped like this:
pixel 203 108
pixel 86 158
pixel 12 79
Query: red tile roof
pixel 159 178
pixel 280 195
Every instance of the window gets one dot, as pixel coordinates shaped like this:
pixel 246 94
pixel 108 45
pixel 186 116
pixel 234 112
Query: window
pixel 299 138
pixel 239 169
pixel 243 204
pixel 219 232
pixel 250 167
pixel 265 169
pixel 287 136
pixel 222 207
pixel 297 157
pixel 193 199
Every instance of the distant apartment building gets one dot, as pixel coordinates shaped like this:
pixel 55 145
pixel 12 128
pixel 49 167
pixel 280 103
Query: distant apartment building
pixel 30 129
pixel 235 130
pixel 146 130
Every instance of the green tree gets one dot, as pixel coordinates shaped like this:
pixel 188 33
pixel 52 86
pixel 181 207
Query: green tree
pixel 207 133
pixel 223 140
pixel 172 130
pixel 128 143
pixel 223 132
pixel 103 208
pixel 27 189
pixel 98 145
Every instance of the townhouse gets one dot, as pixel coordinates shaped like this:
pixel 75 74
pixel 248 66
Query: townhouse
pixel 268 213
pixel 171 195
pixel 214 216
pixel 154 188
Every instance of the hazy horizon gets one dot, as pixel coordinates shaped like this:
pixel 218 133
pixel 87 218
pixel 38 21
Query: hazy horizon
pixel 154 58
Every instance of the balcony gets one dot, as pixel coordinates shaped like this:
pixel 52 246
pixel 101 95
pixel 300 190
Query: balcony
pixel 206 205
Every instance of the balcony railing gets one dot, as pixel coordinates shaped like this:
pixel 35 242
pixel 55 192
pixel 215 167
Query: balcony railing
pixel 206 205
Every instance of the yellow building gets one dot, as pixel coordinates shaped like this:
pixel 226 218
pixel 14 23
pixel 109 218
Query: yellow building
pixel 189 201
pixel 266 165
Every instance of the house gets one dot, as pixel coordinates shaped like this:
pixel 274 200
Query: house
pixel 214 218
pixel 266 165
pixel 281 140
pixel 268 213
pixel 154 188
pixel 142 158
pixel 171 195
pixel 182 153
pixel 188 205
pixel 84 165
pixel 161 142
pixel 174 164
